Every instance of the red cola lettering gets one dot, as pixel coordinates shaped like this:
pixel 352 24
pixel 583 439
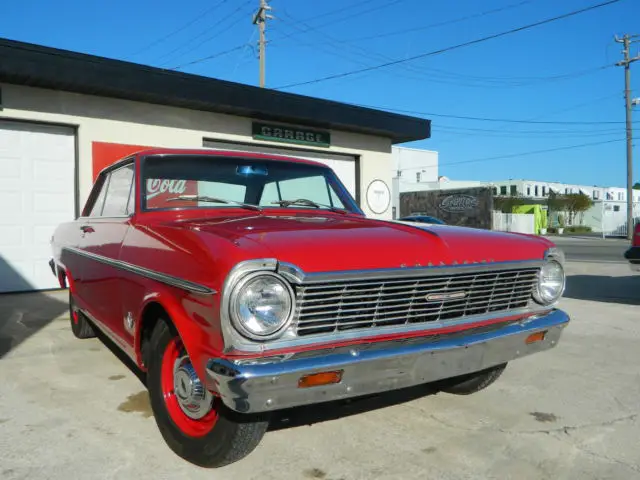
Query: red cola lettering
pixel 156 186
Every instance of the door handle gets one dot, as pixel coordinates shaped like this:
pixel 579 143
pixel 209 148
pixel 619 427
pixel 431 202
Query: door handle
pixel 87 229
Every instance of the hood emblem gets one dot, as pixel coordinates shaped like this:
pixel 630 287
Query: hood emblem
pixel 442 297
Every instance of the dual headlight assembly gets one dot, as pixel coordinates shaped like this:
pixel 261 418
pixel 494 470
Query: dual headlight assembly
pixel 262 304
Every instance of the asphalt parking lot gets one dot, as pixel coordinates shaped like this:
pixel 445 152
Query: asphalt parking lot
pixel 72 409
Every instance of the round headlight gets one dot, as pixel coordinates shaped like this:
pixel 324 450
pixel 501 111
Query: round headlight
pixel 550 285
pixel 261 305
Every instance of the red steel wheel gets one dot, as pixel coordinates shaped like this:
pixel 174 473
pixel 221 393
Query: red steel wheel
pixel 190 405
pixel 194 422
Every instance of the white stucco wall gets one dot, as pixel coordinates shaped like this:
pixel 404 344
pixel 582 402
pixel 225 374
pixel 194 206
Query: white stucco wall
pixel 408 162
pixel 122 121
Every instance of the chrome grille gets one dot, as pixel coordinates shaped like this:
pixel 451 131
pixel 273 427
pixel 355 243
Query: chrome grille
pixel 358 304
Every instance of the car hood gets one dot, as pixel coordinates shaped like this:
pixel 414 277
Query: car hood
pixel 334 242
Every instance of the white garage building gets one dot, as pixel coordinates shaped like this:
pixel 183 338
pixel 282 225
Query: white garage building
pixel 64 116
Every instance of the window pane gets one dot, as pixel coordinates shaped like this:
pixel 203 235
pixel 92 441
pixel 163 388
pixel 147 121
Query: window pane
pixel 223 191
pixel 269 194
pixel 131 204
pixel 118 191
pixel 250 181
pixel 96 211
pixel 310 188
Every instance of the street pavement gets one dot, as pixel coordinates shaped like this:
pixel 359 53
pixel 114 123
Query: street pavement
pixel 71 409
pixel 586 249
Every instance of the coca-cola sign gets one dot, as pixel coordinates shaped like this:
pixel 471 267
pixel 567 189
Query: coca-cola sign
pixel 155 187
pixel 458 203
pixel 158 191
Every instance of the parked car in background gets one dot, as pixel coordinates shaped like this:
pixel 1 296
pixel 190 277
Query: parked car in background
pixel 632 254
pixel 422 219
pixel 243 284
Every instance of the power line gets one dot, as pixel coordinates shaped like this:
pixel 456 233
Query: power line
pixel 486 119
pixel 208 30
pixel 424 74
pixel 342 19
pixel 522 154
pixel 453 47
pixel 209 57
pixel 440 24
pixel 180 29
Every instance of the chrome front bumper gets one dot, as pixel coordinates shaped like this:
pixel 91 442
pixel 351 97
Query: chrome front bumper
pixel 272 383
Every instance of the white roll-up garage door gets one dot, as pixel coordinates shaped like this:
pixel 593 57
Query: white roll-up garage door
pixel 37 192
pixel 344 165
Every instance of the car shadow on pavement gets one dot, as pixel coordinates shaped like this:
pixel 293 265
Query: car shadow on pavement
pixel 324 412
pixel 603 288
pixel 23 312
pixel 123 357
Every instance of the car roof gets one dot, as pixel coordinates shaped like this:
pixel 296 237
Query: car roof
pixel 213 153
pixel 228 153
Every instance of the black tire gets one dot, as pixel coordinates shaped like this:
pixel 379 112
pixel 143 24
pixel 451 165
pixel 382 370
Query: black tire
pixel 472 382
pixel 80 325
pixel 233 435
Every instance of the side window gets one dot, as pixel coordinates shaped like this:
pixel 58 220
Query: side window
pixel 118 192
pixel 131 203
pixel 96 210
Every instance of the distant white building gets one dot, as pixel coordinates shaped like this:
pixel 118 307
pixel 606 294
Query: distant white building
pixel 413 168
pixel 607 214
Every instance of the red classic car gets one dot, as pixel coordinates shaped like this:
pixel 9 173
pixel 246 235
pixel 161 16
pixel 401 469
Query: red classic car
pixel 632 254
pixel 242 284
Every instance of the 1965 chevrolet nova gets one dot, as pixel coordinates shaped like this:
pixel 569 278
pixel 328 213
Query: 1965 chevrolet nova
pixel 245 283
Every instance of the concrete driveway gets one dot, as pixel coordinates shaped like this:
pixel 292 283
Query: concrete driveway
pixel 72 409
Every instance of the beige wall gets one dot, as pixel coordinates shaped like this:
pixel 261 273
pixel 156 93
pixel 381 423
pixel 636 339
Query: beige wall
pixel 123 121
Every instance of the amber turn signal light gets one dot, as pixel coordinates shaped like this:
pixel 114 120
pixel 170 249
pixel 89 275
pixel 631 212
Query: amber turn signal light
pixel 318 379
pixel 535 337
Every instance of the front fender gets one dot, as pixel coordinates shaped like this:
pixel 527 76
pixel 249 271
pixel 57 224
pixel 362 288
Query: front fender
pixel 194 317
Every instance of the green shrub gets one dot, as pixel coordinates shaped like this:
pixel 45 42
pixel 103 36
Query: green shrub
pixel 577 229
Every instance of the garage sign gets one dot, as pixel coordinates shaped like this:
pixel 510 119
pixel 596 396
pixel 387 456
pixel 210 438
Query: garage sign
pixel 286 134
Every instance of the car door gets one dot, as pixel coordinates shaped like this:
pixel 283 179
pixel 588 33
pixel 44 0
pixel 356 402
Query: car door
pixel 101 240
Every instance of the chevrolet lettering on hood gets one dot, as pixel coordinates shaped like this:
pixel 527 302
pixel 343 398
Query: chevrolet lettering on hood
pixel 243 284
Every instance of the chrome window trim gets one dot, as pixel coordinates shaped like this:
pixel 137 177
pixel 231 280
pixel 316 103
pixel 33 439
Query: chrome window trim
pixel 145 272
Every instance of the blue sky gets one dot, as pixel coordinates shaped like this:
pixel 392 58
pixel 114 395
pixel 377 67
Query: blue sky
pixel 547 74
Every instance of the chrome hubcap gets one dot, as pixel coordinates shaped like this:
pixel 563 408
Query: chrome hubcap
pixel 194 399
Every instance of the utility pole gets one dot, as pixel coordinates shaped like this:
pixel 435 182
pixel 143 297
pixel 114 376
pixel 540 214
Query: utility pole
pixel 626 41
pixel 260 19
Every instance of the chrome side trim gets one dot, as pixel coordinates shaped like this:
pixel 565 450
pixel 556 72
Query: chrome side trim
pixel 145 272
pixel 272 383
pixel 298 276
pixel 111 335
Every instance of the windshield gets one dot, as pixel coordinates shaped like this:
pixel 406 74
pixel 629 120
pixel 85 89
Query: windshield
pixel 209 181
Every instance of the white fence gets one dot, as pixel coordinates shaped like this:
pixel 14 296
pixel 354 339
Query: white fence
pixel 513 222
pixel 610 218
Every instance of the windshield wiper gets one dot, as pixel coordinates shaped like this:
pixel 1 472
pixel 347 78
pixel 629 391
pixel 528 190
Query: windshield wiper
pixel 204 198
pixel 308 203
